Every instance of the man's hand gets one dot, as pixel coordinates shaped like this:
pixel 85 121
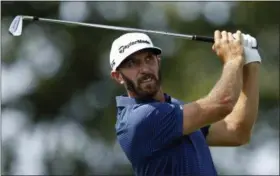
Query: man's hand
pixel 228 47
pixel 250 48
pixel 236 128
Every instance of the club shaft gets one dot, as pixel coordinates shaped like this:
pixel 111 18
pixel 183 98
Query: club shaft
pixel 127 29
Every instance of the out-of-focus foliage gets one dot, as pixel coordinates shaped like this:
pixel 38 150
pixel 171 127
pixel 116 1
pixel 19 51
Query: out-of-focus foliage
pixel 58 100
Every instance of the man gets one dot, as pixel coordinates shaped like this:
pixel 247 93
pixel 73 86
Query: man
pixel 163 136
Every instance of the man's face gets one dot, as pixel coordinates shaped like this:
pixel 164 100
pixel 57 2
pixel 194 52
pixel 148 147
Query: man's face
pixel 140 74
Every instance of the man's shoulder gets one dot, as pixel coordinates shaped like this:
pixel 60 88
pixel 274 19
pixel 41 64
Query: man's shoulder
pixel 130 109
pixel 140 113
pixel 177 101
pixel 138 110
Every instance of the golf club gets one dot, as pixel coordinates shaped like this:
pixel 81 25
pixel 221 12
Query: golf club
pixel 17 25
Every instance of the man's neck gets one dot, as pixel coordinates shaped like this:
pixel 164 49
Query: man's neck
pixel 159 96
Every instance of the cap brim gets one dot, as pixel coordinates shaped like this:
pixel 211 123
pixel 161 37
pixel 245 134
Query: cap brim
pixel 154 49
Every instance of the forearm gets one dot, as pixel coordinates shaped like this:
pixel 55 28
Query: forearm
pixel 222 98
pixel 228 87
pixel 245 112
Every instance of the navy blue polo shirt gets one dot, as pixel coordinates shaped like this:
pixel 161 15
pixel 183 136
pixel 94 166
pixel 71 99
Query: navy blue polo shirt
pixel 151 135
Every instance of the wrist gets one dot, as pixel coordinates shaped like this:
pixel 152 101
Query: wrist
pixel 233 66
pixel 251 56
pixel 252 67
pixel 236 60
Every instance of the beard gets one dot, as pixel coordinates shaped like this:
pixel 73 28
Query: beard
pixel 140 89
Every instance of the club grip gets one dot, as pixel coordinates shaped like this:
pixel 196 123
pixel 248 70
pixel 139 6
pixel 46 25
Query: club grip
pixel 35 18
pixel 203 38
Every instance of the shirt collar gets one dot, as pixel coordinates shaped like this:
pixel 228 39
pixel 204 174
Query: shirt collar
pixel 124 100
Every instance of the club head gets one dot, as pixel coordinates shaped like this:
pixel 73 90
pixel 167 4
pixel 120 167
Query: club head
pixel 16 26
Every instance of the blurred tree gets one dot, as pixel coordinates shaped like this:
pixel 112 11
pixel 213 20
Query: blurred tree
pixel 81 90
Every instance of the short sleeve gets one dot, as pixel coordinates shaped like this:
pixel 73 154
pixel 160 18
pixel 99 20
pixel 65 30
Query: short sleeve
pixel 160 124
pixel 205 130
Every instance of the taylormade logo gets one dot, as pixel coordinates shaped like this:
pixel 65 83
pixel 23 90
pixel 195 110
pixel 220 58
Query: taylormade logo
pixel 122 48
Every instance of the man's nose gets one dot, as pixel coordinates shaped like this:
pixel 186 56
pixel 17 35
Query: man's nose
pixel 144 67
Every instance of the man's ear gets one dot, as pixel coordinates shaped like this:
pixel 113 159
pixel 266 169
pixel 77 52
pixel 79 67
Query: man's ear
pixel 117 77
pixel 159 60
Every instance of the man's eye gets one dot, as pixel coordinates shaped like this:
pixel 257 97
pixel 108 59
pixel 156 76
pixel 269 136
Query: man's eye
pixel 149 58
pixel 130 63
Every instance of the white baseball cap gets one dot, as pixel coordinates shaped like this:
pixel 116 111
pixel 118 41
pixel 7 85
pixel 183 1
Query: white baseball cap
pixel 128 44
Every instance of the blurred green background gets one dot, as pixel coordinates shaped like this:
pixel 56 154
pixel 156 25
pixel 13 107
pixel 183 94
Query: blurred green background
pixel 58 100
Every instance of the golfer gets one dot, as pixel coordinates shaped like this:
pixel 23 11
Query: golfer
pixel 161 135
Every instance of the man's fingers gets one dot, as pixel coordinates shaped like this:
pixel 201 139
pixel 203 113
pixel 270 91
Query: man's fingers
pixel 217 35
pixel 246 40
pixel 238 36
pixel 224 36
pixel 230 36
pixel 254 42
